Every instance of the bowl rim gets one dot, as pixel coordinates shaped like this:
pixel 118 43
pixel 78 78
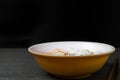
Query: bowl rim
pixel 36 53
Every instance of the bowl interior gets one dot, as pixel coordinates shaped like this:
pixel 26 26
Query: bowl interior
pixel 92 46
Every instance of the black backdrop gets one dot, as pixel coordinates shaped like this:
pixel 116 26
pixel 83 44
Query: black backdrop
pixel 23 23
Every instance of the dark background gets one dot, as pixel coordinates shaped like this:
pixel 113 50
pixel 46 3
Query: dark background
pixel 23 23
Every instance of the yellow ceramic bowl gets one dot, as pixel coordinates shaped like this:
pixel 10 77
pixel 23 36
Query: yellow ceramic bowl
pixel 71 66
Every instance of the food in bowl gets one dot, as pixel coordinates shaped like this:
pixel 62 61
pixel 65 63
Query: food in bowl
pixel 71 52
pixel 71 67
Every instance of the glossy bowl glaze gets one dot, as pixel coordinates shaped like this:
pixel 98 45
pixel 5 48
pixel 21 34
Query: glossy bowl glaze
pixel 71 67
